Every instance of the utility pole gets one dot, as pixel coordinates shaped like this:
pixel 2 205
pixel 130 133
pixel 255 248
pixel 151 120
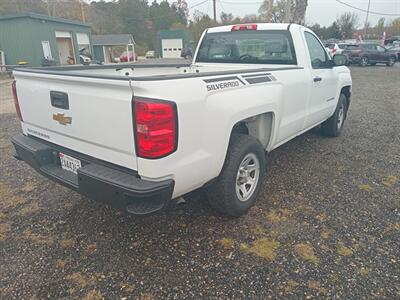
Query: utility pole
pixel 215 10
pixel 83 13
pixel 287 11
pixel 366 21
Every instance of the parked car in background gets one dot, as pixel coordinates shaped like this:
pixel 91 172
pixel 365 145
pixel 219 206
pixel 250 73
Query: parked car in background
pixel 369 54
pixel 395 50
pixel 151 54
pixel 124 57
pixel 335 48
pixel 85 58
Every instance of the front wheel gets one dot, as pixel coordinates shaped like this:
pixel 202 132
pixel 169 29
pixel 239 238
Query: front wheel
pixel 364 61
pixel 391 61
pixel 238 185
pixel 334 125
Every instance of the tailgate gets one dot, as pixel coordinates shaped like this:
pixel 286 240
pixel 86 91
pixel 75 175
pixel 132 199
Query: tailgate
pixel 89 115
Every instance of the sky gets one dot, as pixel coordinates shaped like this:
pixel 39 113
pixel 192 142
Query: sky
pixel 323 12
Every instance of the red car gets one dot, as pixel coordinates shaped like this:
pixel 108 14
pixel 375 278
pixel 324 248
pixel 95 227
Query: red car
pixel 124 57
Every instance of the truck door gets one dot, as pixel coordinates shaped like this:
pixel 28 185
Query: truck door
pixel 324 82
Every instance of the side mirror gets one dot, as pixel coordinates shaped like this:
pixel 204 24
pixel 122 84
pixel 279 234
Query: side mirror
pixel 340 60
pixel 186 53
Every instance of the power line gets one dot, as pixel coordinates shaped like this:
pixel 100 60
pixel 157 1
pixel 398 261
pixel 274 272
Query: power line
pixel 222 7
pixel 198 4
pixel 242 3
pixel 366 11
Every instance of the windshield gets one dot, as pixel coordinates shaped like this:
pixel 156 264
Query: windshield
pixel 330 46
pixel 248 47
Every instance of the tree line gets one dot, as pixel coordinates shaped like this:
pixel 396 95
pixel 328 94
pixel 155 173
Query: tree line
pixel 144 19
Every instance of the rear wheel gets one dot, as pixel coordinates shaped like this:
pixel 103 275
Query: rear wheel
pixel 391 61
pixel 364 61
pixel 334 125
pixel 238 185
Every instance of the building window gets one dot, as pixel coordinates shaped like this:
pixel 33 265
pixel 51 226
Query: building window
pixel 46 50
pixel 83 43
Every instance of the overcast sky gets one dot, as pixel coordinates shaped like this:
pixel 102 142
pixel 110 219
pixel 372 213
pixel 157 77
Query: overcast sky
pixel 323 12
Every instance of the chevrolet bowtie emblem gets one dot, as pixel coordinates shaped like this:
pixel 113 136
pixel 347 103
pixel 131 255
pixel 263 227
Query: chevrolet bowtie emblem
pixel 60 118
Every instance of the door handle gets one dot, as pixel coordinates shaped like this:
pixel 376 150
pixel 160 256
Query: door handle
pixel 59 99
pixel 317 78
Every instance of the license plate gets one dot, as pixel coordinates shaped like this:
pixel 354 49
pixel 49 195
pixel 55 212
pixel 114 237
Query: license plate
pixel 69 163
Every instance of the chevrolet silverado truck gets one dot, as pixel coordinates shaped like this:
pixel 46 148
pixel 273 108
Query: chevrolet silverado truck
pixel 137 136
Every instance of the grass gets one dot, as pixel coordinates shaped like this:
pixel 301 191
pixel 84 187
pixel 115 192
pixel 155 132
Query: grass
pixel 227 243
pixel 289 286
pixel 37 239
pixel 342 250
pixel 306 252
pixel 93 295
pixel 392 228
pixel 90 249
pixel 8 199
pixel 364 271
pixel 366 188
pixel 315 285
pixel 27 209
pixel 326 233
pixel 62 263
pixel 4 230
pixel 79 279
pixel 263 247
pixel 278 215
pixel 390 180
pixel 67 243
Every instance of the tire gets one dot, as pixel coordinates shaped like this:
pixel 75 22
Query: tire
pixel 226 194
pixel 333 127
pixel 364 61
pixel 391 62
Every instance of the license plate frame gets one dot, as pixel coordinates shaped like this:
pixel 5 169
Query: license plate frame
pixel 69 163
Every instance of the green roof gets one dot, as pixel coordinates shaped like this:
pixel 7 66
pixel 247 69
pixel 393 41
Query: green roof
pixel 42 17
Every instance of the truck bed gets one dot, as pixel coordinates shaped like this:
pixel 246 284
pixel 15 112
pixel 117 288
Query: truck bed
pixel 146 71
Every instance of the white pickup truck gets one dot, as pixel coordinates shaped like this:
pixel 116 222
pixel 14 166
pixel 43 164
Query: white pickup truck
pixel 138 135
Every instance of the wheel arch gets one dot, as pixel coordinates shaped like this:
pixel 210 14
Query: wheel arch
pixel 346 90
pixel 259 126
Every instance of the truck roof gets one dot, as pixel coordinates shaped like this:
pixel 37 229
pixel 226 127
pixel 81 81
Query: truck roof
pixel 260 26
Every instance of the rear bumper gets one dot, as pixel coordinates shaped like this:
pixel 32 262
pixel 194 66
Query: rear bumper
pixel 97 180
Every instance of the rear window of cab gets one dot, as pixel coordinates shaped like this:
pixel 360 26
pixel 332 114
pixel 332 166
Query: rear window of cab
pixel 248 47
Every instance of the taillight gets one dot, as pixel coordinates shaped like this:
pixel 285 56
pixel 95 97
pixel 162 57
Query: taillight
pixel 156 128
pixel 16 103
pixel 244 27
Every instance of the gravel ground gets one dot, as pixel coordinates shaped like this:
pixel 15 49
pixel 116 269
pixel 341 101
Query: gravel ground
pixel 327 224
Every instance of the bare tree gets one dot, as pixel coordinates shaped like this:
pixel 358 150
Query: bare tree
pixel 347 23
pixel 279 11
pixel 299 13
